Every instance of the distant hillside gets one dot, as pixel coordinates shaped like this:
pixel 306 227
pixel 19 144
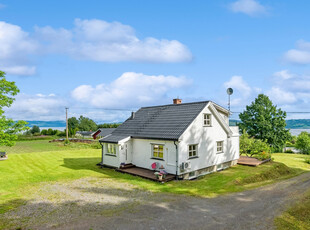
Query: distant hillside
pixel 47 123
pixel 290 124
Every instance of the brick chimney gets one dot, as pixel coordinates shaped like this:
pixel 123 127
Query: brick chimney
pixel 177 101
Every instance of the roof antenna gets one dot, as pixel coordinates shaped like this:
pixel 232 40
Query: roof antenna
pixel 229 91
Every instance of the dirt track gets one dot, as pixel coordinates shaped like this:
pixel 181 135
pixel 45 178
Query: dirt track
pixel 92 204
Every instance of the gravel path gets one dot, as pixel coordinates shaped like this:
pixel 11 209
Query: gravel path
pixel 94 203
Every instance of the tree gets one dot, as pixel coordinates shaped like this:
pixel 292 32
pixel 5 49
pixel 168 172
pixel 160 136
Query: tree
pixel 262 120
pixel 8 127
pixel 303 142
pixel 35 129
pixel 86 124
pixel 254 147
pixel 73 123
pixel 109 125
pixel 44 132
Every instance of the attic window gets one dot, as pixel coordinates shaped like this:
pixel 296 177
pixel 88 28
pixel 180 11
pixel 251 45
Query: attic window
pixel 158 151
pixel 207 119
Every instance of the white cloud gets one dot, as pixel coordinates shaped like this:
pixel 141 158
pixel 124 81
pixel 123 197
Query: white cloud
pixel 94 40
pixel 249 7
pixel 19 70
pixel 283 75
pixel 36 107
pixel 102 41
pixel 130 90
pixel 281 96
pixel 300 55
pixel 239 85
pixel 15 47
pixel 290 92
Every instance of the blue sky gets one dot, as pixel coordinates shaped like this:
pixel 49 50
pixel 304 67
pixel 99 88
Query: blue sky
pixel 105 58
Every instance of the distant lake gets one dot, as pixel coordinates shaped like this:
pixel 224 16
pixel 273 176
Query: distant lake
pixel 296 132
pixel 58 128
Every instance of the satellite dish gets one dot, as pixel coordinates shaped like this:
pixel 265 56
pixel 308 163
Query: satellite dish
pixel 230 91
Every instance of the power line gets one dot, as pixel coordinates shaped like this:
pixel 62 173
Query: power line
pixel 286 112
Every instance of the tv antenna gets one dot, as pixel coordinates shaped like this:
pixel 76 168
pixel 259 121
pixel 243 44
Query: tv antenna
pixel 229 91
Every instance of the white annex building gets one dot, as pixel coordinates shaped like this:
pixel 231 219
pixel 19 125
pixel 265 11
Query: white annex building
pixel 187 139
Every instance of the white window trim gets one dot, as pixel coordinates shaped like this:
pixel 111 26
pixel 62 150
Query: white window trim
pixel 196 150
pixel 113 153
pixel 203 120
pixel 218 152
pixel 152 151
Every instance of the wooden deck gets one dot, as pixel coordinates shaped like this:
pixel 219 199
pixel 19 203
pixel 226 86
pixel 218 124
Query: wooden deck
pixel 144 173
pixel 250 161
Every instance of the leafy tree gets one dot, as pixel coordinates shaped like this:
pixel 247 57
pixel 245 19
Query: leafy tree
pixel 73 123
pixel 50 132
pixel 35 129
pixel 44 131
pixel 303 142
pixel 262 120
pixel 8 127
pixel 109 125
pixel 86 124
pixel 254 147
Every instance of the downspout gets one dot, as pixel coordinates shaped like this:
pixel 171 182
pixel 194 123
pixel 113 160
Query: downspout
pixel 176 161
pixel 101 152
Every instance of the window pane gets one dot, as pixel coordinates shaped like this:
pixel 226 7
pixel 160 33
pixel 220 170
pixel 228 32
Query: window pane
pixel 160 155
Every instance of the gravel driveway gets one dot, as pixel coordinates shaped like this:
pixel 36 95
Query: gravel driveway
pixel 93 203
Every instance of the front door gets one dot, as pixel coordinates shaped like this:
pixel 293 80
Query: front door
pixel 128 153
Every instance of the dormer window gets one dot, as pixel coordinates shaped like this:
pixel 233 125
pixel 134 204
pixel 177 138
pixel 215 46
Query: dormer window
pixel 207 119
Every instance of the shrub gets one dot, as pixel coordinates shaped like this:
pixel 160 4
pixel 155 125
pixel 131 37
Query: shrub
pixel 250 147
pixel 289 151
pixel 303 142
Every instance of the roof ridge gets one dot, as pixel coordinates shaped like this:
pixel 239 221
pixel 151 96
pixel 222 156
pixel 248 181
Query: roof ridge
pixel 197 102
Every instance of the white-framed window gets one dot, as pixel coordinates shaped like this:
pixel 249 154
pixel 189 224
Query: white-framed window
pixel 192 151
pixel 219 146
pixel 111 149
pixel 158 151
pixel 207 119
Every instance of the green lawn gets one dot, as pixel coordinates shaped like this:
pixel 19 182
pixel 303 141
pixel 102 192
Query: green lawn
pixel 293 160
pixel 296 217
pixel 21 174
pixel 44 146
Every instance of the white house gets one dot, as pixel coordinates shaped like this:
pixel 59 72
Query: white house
pixel 187 139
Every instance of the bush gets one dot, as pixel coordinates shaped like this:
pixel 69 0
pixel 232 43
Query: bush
pixel 250 147
pixel 303 142
pixel 307 160
pixel 289 151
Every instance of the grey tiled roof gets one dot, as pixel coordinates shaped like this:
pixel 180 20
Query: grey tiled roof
pixel 105 131
pixel 166 122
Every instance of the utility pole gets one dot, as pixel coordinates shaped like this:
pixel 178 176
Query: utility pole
pixel 67 123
